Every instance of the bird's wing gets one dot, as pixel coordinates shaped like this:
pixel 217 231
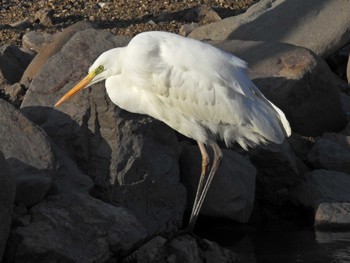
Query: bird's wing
pixel 194 78
pixel 184 77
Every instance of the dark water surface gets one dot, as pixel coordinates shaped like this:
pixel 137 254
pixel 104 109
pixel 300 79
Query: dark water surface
pixel 285 243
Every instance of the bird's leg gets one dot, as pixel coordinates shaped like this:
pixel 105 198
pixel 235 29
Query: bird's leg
pixel 216 162
pixel 205 163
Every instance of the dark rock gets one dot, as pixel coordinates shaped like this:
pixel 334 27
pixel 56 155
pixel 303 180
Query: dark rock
pixel 322 186
pixel 30 152
pixel 13 62
pixel 297 22
pixel 75 228
pixel 127 155
pixel 333 216
pixel 232 192
pixel 340 139
pixel 277 169
pixel 297 81
pixel 31 189
pixel 183 248
pixel 7 197
pixel 330 155
pixel 25 146
pixel 348 70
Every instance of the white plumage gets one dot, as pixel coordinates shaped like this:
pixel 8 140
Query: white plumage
pixel 198 90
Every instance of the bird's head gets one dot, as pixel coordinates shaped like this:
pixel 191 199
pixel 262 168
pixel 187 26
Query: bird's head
pixel 91 78
pixel 102 68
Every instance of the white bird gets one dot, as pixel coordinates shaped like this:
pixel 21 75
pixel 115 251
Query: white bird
pixel 198 90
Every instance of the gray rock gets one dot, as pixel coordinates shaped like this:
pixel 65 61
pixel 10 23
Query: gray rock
pixel 183 248
pixel 31 189
pixel 186 29
pixel 13 62
pixel 34 40
pixel 297 22
pixel 75 228
pixel 298 82
pixel 232 192
pixel 133 159
pixel 333 216
pixel 322 186
pixel 330 155
pixel 25 146
pixel 14 93
pixel 7 197
pixel 29 151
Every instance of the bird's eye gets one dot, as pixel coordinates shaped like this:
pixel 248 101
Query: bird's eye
pixel 99 69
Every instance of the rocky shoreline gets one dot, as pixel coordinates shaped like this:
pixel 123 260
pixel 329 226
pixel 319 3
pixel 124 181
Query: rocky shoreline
pixel 89 182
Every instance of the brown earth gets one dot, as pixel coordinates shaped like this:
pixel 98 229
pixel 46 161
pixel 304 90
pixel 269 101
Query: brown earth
pixel 123 17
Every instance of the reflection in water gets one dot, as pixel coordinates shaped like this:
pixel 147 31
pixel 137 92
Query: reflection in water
pixel 300 245
pixel 285 243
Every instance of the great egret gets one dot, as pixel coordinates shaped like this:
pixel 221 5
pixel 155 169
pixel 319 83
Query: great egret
pixel 196 89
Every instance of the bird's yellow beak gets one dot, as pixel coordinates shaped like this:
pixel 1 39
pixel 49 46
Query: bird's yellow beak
pixel 81 85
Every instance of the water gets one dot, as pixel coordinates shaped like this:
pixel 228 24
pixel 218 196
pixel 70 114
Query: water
pixel 286 244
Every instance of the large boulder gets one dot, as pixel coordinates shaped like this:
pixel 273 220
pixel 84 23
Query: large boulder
pixel 75 228
pixel 7 197
pixel 329 154
pixel 133 159
pixel 322 186
pixel 31 155
pixel 232 191
pixel 322 26
pixel 296 80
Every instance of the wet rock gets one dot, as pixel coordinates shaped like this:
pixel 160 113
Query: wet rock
pixel 322 186
pixel 31 189
pixel 301 23
pixel 298 82
pixel 333 216
pixel 330 155
pixel 183 248
pixel 13 62
pixel 29 151
pixel 59 39
pixel 7 197
pixel 127 155
pixel 34 40
pixel 232 192
pixel 75 228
